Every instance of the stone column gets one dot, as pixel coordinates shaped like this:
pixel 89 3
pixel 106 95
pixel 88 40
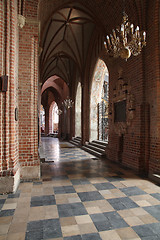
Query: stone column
pixel 28 93
pixel 9 159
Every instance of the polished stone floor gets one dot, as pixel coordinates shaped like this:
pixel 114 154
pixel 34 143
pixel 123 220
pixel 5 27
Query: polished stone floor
pixel 80 197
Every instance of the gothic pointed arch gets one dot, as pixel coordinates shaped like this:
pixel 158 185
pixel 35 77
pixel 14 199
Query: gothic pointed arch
pixel 99 98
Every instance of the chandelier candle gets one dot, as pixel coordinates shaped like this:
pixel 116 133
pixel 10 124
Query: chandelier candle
pixel 125 41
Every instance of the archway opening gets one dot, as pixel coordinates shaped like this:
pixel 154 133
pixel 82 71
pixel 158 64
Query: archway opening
pixel 53 119
pixel 78 111
pixel 54 91
pixel 99 101
pixel 42 119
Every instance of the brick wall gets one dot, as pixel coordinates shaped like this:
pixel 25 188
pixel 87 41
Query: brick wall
pixel 9 165
pixel 141 142
pixel 28 91
pixel 152 60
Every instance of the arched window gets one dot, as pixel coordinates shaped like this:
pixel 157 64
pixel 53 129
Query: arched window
pixel 103 109
pixel 42 119
pixel 78 111
pixel 99 98
pixel 53 118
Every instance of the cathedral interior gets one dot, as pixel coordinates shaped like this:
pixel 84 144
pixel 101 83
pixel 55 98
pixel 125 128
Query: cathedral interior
pixel 79 119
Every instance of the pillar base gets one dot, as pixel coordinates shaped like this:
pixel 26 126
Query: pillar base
pixel 10 184
pixel 30 172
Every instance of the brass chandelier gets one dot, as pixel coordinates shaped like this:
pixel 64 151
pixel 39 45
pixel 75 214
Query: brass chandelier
pixel 68 103
pixel 125 40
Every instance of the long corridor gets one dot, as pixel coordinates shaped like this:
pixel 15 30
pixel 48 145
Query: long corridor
pixel 81 197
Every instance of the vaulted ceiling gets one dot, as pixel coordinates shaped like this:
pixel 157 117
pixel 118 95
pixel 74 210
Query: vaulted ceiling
pixel 65 41
pixel 69 28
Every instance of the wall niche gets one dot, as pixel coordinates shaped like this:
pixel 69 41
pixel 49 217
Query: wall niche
pixel 122 107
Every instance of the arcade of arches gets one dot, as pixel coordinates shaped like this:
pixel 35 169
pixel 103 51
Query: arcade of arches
pixel 51 50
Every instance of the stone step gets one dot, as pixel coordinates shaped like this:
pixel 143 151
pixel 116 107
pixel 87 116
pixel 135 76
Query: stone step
pixel 100 142
pixel 98 145
pixel 97 149
pixel 93 152
pixel 76 141
pixel 78 138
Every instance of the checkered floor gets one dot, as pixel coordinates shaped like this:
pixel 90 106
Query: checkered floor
pixel 52 150
pixel 83 198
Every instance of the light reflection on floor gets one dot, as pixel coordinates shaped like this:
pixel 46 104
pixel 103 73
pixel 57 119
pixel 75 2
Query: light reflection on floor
pixel 61 151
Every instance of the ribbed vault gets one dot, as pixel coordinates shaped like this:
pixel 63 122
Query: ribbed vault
pixel 65 42
pixel 70 29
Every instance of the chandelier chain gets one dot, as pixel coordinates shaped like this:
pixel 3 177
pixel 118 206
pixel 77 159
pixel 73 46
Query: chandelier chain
pixel 124 8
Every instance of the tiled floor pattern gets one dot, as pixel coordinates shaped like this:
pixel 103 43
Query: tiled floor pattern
pixel 52 150
pixel 82 200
